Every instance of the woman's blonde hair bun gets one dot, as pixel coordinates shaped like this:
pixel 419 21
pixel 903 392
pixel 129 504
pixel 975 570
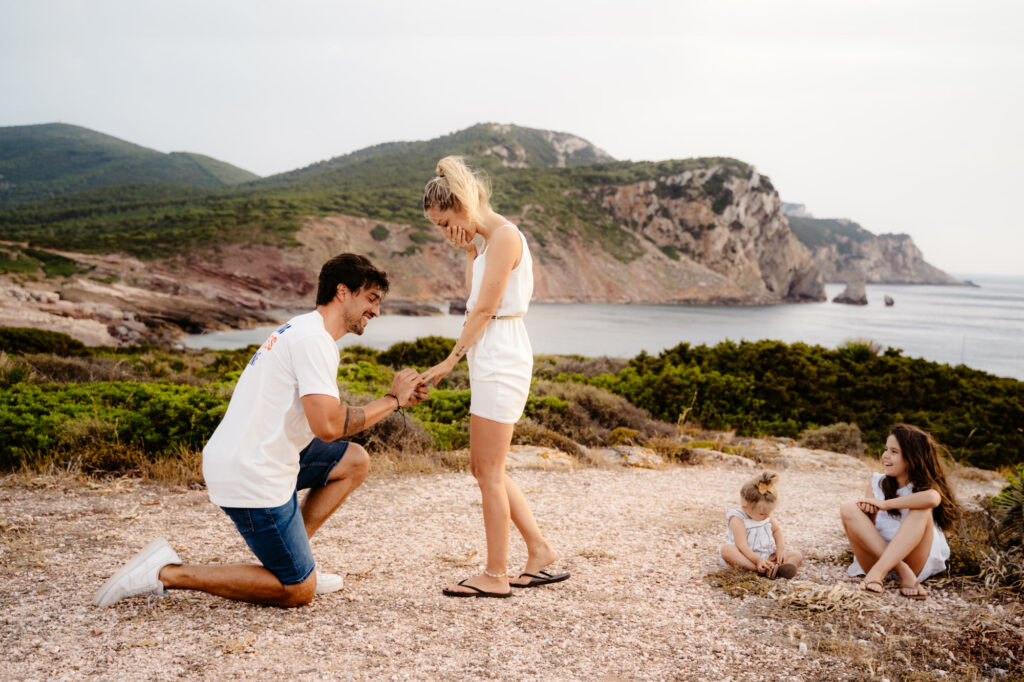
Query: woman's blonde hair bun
pixel 457 187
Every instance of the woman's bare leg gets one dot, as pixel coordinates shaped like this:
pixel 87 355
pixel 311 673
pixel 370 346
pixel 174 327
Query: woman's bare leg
pixel 489 442
pixel 539 553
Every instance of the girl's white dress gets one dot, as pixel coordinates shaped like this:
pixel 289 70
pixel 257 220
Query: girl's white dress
pixel 501 360
pixel 887 527
pixel 759 534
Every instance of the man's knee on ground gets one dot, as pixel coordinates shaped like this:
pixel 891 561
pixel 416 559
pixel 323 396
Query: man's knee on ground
pixel 298 595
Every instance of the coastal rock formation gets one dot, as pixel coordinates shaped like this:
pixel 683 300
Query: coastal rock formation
pixel 843 250
pixel 887 258
pixel 713 235
pixel 725 220
pixel 854 293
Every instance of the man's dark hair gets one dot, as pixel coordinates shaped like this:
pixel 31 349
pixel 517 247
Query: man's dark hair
pixel 352 270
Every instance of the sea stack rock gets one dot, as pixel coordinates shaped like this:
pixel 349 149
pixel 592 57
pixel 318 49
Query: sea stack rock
pixel 888 300
pixel 854 293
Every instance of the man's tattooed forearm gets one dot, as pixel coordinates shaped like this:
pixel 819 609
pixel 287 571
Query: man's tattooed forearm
pixel 354 421
pixel 459 352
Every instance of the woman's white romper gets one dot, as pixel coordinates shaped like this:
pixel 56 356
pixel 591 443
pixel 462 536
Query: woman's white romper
pixel 501 360
pixel 759 534
pixel 887 527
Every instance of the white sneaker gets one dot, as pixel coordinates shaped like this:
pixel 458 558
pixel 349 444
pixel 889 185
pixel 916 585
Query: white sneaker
pixel 328 582
pixel 138 576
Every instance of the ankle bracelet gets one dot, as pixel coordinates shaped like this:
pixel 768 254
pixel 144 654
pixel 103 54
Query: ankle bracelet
pixel 496 576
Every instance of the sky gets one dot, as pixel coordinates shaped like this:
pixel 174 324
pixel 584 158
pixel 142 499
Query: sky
pixel 902 115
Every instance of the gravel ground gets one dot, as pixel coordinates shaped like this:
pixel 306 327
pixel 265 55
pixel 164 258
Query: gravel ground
pixel 638 543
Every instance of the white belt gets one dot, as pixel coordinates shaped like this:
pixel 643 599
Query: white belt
pixel 517 316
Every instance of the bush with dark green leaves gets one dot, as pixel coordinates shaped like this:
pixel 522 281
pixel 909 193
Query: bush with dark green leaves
pixel 782 389
pixel 156 418
pixel 423 353
pixel 21 340
pixel 838 437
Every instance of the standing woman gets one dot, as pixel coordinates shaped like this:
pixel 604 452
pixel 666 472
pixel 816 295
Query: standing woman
pixel 494 339
pixel 898 524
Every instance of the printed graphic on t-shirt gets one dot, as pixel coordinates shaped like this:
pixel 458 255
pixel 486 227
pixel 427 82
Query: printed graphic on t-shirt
pixel 269 343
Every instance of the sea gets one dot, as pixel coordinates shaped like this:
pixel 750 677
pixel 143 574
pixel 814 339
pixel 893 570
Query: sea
pixel 981 327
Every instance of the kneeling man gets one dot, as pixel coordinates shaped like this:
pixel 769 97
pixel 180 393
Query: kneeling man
pixel 282 433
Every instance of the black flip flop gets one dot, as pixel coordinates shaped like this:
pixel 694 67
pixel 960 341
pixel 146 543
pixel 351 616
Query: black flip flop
pixel 477 592
pixel 544 578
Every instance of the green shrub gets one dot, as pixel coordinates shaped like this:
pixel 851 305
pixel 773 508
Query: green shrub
pixel 155 418
pixel 422 238
pixel 423 353
pixel 527 432
pixel 54 265
pixel 622 436
pixel 969 542
pixel 17 262
pixel 587 414
pixel 553 366
pixel 838 437
pixel 1008 506
pixel 783 389
pixel 444 407
pixel 670 449
pixel 13 371
pixel 380 233
pixel 73 369
pixel 21 340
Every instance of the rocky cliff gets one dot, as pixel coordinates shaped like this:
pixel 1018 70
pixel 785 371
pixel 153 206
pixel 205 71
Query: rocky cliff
pixel 693 231
pixel 844 251
pixel 712 235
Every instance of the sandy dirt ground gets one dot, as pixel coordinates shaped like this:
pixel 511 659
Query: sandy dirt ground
pixel 639 544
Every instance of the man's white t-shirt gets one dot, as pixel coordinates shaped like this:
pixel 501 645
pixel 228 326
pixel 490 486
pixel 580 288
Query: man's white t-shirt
pixel 252 458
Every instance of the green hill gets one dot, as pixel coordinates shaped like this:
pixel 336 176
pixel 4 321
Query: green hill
pixel 39 162
pixel 384 182
pixel 814 232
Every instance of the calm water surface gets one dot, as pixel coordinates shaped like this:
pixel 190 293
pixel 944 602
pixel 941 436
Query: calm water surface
pixel 979 327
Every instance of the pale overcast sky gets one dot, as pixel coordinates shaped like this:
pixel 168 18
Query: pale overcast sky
pixel 902 115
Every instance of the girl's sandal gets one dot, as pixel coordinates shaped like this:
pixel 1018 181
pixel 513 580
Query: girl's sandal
pixel 866 587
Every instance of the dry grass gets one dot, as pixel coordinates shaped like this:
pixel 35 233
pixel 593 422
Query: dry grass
pixel 881 635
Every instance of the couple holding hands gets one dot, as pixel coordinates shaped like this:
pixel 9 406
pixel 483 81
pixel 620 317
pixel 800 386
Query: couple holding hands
pixel 284 428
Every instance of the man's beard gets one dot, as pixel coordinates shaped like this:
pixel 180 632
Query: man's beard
pixel 354 324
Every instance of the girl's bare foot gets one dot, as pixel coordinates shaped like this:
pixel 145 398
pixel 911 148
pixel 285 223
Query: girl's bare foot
pixel 538 559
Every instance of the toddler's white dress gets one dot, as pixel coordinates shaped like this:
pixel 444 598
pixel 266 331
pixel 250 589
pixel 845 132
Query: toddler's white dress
pixel 887 527
pixel 501 360
pixel 759 534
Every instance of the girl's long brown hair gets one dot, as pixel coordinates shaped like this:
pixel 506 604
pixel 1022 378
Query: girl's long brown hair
pixel 922 453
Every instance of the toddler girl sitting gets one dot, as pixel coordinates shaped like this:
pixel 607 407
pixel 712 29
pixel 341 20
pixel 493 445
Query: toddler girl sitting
pixel 755 541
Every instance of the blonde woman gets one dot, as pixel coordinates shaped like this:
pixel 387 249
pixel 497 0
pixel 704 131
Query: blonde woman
pixel 500 282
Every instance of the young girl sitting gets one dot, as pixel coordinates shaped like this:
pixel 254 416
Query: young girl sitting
pixel 898 525
pixel 755 541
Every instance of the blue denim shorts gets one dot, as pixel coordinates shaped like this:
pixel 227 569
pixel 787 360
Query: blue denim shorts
pixel 277 535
